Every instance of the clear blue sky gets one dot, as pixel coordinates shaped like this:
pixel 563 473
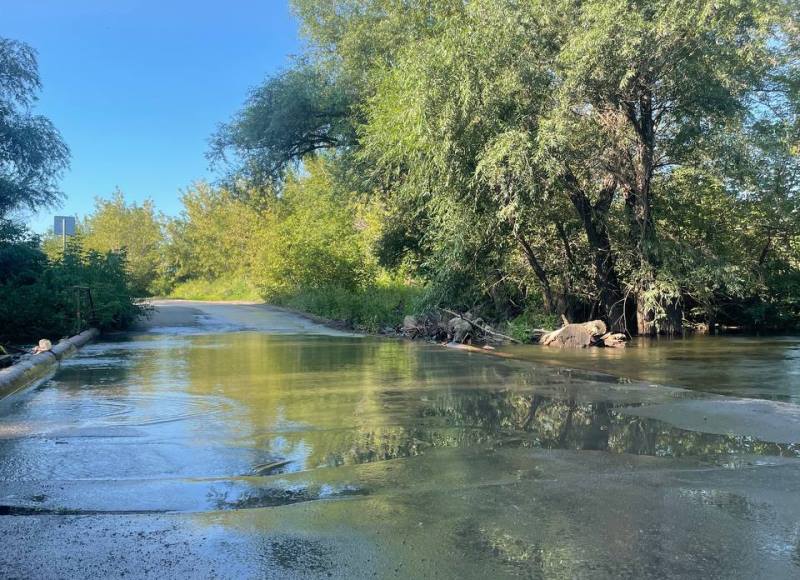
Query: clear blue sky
pixel 137 86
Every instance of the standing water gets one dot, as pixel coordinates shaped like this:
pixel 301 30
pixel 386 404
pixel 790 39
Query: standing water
pixel 762 367
pixel 196 452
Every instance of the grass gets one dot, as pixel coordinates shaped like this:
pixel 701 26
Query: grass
pixel 220 289
pixel 370 309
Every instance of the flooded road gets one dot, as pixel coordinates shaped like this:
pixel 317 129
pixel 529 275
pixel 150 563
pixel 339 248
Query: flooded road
pixel 243 442
pixel 762 367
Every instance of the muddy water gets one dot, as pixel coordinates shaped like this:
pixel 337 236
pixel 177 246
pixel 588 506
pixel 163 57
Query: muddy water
pixel 249 454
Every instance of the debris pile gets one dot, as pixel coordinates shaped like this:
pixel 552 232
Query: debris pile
pixel 445 325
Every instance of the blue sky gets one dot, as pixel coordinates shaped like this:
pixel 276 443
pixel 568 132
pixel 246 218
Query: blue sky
pixel 137 86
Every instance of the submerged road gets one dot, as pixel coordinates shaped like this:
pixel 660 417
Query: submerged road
pixel 242 441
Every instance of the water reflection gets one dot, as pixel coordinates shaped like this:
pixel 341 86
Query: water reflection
pixel 765 367
pixel 492 466
pixel 329 402
pixel 253 404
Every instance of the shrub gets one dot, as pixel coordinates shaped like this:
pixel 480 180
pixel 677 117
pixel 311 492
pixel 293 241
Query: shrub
pixel 370 308
pixel 40 297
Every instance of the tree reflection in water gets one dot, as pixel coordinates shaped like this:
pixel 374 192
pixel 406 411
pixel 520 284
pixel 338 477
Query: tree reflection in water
pixel 467 418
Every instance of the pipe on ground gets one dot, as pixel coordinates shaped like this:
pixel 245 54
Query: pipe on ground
pixel 29 371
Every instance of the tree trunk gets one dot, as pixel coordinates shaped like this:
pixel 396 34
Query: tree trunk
pixel 536 265
pixel 593 217
pixel 637 191
pixel 671 324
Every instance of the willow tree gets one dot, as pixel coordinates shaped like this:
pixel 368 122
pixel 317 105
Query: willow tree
pixel 521 106
pixel 32 153
pixel 454 122
pixel 467 116
pixel 660 84
pixel 297 113
pixel 581 148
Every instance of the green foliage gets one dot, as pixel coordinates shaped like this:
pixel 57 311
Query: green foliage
pixel 596 141
pixel 32 153
pixel 291 115
pixel 315 236
pixel 229 288
pixel 39 296
pixel 309 248
pixel 21 260
pixel 212 239
pixel 371 308
pixel 522 327
pixel 116 226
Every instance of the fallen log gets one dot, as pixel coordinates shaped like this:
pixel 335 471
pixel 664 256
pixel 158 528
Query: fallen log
pixel 582 335
pixel 614 340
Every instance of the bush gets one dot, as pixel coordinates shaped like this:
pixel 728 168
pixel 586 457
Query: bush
pixel 228 288
pixel 371 308
pixel 40 297
pixel 522 326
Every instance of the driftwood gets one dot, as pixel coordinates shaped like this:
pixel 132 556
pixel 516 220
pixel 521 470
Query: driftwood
pixel 478 324
pixel 266 468
pixel 462 329
pixel 430 325
pixel 582 335
pixel 614 339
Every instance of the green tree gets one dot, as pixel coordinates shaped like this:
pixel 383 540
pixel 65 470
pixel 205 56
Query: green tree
pixel 136 230
pixel 523 116
pixel 39 295
pixel 290 116
pixel 311 238
pixel 213 237
pixel 652 86
pixel 32 153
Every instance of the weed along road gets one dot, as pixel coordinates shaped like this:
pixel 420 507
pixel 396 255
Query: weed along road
pixel 240 441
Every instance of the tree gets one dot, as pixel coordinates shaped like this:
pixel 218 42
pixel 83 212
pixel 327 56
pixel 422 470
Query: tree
pixel 311 238
pixel 514 110
pixel 290 116
pixel 656 85
pixel 32 152
pixel 136 230
pixel 213 237
pixel 607 158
